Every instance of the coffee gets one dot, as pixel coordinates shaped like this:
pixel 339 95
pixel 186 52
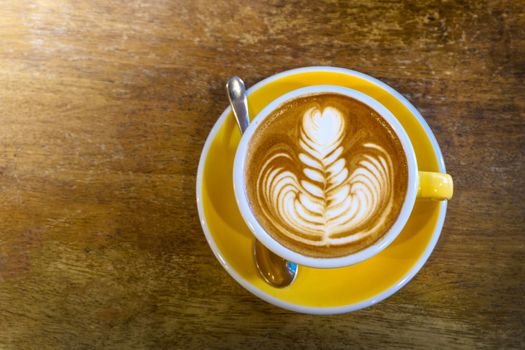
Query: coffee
pixel 326 175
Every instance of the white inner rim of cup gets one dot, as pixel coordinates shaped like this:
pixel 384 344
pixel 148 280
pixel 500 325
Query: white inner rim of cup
pixel 273 244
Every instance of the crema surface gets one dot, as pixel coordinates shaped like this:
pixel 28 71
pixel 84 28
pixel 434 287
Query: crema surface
pixel 326 175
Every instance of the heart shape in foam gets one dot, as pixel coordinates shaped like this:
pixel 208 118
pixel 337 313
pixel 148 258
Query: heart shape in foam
pixel 324 127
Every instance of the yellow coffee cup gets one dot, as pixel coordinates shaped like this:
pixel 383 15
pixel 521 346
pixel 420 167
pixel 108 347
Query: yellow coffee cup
pixel 436 186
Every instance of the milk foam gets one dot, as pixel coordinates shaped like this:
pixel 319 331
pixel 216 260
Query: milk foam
pixel 332 204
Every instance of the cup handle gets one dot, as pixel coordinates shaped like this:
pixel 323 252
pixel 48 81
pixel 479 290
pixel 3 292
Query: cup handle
pixel 436 186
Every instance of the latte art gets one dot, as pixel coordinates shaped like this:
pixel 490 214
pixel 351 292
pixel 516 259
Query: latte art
pixel 331 200
pixel 330 187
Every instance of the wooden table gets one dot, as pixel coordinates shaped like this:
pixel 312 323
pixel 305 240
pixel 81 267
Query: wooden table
pixel 104 109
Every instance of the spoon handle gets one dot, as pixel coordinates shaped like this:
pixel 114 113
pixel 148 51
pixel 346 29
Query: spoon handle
pixel 237 96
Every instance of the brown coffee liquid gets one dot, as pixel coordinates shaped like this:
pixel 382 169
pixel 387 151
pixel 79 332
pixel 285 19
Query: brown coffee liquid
pixel 326 175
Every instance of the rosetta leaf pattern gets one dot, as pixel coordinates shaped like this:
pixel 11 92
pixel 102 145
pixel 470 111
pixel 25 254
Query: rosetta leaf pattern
pixel 329 200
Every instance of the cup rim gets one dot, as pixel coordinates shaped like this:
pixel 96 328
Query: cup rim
pixel 288 254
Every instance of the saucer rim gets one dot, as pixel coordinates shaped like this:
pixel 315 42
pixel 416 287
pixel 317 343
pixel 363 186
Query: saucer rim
pixel 394 288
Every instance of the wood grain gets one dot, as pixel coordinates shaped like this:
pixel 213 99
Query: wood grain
pixel 104 109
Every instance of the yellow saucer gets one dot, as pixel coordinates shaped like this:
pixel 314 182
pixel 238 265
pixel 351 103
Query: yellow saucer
pixel 318 291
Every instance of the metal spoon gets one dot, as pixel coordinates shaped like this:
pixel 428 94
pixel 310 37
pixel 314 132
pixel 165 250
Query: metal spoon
pixel 275 270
